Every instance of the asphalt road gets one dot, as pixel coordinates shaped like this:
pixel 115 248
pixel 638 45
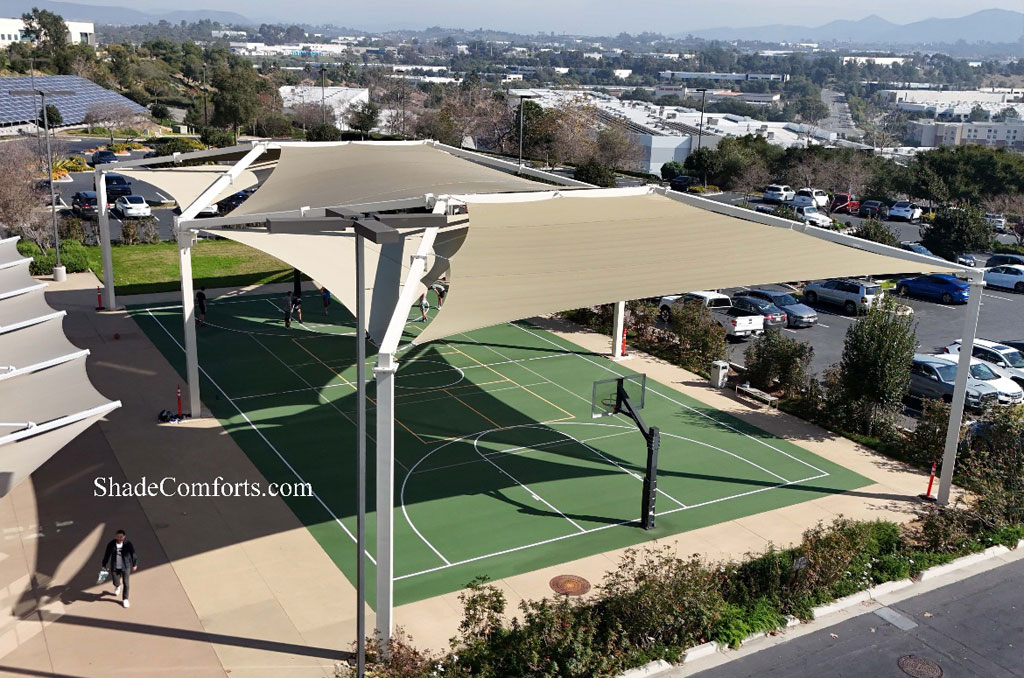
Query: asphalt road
pixel 839 118
pixel 971 629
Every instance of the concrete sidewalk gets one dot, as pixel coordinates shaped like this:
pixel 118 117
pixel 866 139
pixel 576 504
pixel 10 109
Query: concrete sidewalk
pixel 240 586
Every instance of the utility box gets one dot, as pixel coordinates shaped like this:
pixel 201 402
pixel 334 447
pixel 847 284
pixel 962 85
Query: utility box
pixel 719 373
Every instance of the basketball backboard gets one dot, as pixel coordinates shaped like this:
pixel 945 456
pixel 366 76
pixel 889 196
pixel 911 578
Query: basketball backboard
pixel 605 397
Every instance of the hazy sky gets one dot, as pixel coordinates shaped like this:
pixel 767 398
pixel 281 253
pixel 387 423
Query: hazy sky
pixel 669 17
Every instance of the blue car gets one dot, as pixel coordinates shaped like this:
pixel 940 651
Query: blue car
pixel 944 287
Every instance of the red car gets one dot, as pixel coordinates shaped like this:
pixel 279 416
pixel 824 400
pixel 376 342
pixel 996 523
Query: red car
pixel 844 202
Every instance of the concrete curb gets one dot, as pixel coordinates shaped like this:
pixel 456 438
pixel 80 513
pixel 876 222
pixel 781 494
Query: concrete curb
pixel 867 598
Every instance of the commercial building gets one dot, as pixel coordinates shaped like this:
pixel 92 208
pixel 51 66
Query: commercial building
pixel 728 77
pixel 13 30
pixel 338 99
pixel 931 134
pixel 757 98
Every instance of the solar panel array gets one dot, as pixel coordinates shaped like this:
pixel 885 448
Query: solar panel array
pixel 15 110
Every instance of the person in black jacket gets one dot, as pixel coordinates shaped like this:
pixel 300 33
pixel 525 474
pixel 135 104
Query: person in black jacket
pixel 120 560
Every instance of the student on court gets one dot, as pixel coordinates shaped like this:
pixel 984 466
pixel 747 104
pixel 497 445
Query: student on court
pixel 424 307
pixel 440 291
pixel 297 305
pixel 288 310
pixel 325 296
pixel 201 305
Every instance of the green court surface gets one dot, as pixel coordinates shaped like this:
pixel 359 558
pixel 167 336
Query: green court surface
pixel 500 466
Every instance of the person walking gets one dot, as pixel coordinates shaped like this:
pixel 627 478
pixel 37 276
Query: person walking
pixel 440 291
pixel 120 560
pixel 288 310
pixel 297 305
pixel 325 296
pixel 201 305
pixel 424 307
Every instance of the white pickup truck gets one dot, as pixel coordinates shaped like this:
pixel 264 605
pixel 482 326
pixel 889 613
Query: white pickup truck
pixel 737 323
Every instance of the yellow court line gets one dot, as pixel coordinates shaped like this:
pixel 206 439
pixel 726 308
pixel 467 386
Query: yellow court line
pixel 445 388
pixel 354 387
pixel 570 415
pixel 496 424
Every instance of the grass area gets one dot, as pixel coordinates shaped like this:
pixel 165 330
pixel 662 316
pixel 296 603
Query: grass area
pixel 140 269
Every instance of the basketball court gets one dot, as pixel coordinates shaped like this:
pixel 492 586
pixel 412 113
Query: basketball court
pixel 502 466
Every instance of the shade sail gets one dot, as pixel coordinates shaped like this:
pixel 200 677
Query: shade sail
pixel 352 174
pixel 46 398
pixel 521 259
pixel 185 184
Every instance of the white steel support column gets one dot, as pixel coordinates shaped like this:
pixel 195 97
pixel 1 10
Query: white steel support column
pixel 384 374
pixel 103 222
pixel 618 327
pixel 186 240
pixel 956 407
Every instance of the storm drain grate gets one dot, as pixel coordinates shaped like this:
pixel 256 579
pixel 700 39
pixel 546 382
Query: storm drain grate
pixel 569 584
pixel 919 667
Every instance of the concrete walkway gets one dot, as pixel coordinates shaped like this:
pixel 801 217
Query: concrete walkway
pixel 239 586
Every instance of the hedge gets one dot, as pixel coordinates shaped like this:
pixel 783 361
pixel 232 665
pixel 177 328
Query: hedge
pixel 72 256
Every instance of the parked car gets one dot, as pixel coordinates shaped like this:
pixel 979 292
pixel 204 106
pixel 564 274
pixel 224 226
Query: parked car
pixel 778 193
pixel 103 158
pixel 682 182
pixel 1003 259
pixel 852 295
pixel 812 216
pixel 132 207
pixel 797 314
pixel 1010 277
pixel 117 186
pixel 232 201
pixel 1014 343
pixel 933 377
pixel 774 317
pixel 83 204
pixel 906 211
pixel 944 287
pixel 966 260
pixel 873 209
pixel 962 259
pixel 1008 392
pixel 996 221
pixel 811 197
pixel 844 203
pixel 1004 359
pixel 737 324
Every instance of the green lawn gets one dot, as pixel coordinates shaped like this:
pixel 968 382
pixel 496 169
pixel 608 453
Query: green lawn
pixel 140 269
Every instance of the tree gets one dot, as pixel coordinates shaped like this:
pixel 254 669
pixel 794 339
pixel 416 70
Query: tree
pixel 237 97
pixel 753 177
pixel 617 148
pixel 672 169
pixel 811 110
pixel 308 114
pixel 160 111
pixel 113 116
pixel 704 161
pixel 978 114
pixel 321 132
pixel 47 29
pixel 19 199
pixel 873 374
pixel 809 169
pixel 774 361
pixel 591 171
pixel 52 119
pixel 363 117
pixel 956 231
pixel 876 231
pixel 701 339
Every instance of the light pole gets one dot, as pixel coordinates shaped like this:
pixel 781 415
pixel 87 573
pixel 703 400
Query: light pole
pixel 58 270
pixel 700 130
pixel 523 96
pixel 323 92
pixel 206 117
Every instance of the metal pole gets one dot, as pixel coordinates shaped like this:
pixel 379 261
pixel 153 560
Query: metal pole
pixel 206 116
pixel 49 170
pixel 323 97
pixel 32 75
pixel 521 116
pixel 360 460
pixel 700 130
pixel 956 407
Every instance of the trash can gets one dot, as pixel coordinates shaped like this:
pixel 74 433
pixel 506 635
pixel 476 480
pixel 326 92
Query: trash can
pixel 719 373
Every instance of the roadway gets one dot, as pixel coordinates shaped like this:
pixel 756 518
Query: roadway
pixel 973 628
pixel 839 118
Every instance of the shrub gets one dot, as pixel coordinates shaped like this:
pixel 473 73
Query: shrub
pixel 173 145
pixel 710 188
pixel 73 256
pixel 211 136
pixel 876 231
pixel 71 229
pixel 159 111
pixel 149 232
pixel 773 359
pixel 926 444
pixel 700 338
pixel 27 248
pixel 592 171
pixel 124 146
pixel 323 133
pixel 130 234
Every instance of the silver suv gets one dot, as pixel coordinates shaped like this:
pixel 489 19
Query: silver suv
pixel 852 295
pixel 933 377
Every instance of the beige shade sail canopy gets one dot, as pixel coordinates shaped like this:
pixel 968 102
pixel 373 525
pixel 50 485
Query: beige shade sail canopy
pixel 354 174
pixel 522 259
pixel 185 184
pixel 46 398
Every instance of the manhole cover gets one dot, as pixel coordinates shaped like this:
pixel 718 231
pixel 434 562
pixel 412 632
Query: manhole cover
pixel 919 667
pixel 569 584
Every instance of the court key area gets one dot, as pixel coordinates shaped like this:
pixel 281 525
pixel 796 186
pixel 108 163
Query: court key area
pixel 501 466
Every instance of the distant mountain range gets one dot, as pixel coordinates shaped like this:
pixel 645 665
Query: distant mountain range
pixel 103 14
pixel 990 25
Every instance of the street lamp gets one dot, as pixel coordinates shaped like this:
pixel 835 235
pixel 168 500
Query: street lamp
pixel 58 270
pixel 703 96
pixel 206 117
pixel 523 95
pixel 323 91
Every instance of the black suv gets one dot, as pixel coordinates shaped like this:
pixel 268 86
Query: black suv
pixel 117 186
pixel 83 204
pixel 682 182
pixel 1004 260
pixel 103 158
pixel 873 209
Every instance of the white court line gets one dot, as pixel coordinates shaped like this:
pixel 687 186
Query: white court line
pixel 683 405
pixel 731 454
pixel 269 444
pixel 476 448
pixel 476 367
pixel 599 529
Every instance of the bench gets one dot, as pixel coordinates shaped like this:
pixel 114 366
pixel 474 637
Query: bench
pixel 758 394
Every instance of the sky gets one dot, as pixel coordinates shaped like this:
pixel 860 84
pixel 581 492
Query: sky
pixel 589 17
